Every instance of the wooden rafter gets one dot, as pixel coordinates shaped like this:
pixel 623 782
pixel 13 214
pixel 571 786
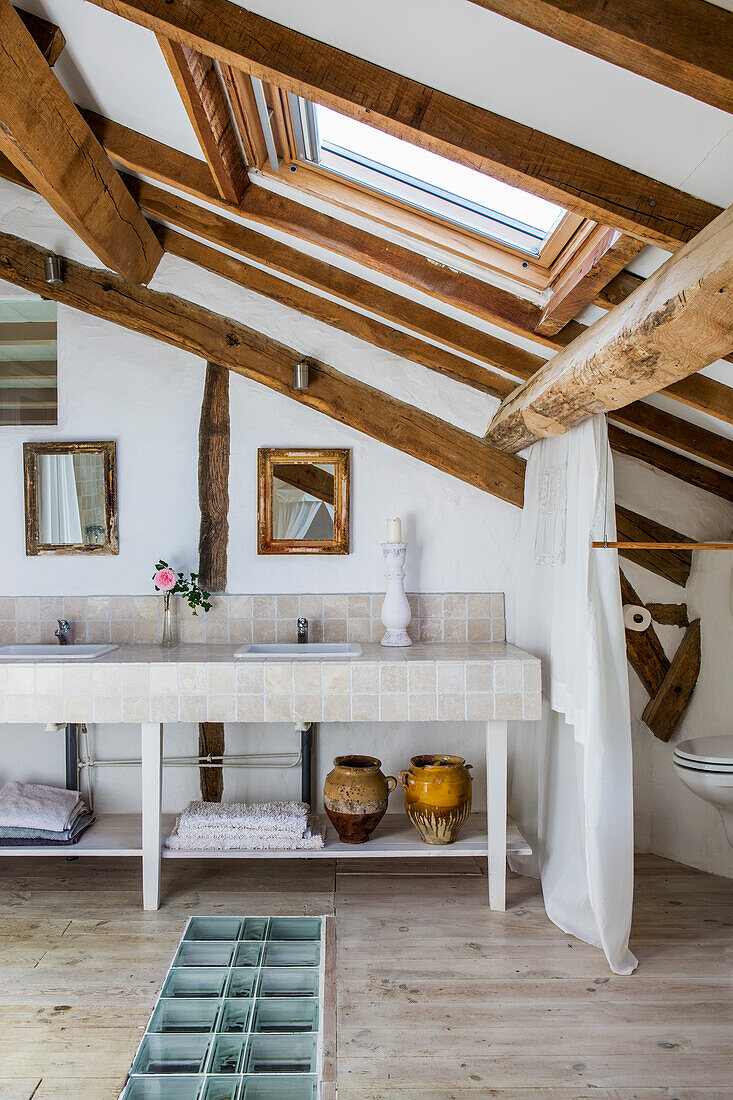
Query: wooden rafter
pixel 241 350
pixel 676 465
pixel 578 180
pixel 184 173
pixel 310 479
pixel 45 137
pixel 673 565
pixel 664 710
pixel 686 45
pixel 202 95
pixel 659 424
pixel 579 285
pixel 47 36
pixel 677 322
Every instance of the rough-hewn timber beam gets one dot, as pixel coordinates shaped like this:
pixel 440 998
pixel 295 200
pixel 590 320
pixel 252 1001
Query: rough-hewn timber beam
pixel 45 137
pixel 686 45
pixel 47 36
pixel 519 155
pixel 242 350
pixel 675 323
pixel 201 92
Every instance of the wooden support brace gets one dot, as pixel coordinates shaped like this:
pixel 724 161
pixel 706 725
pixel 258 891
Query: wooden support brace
pixel 669 614
pixel 643 648
pixel 664 710
pixel 214 433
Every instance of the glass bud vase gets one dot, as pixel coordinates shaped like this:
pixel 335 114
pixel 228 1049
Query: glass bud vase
pixel 166 642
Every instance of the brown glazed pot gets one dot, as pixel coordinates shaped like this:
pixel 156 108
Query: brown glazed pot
pixel 355 796
pixel 437 796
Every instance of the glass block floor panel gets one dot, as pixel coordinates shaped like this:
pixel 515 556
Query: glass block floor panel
pixel 239 1014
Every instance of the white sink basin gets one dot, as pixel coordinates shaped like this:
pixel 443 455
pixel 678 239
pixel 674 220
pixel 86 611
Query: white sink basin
pixel 53 652
pixel 297 651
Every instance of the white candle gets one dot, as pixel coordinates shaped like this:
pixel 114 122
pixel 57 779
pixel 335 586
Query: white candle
pixel 394 530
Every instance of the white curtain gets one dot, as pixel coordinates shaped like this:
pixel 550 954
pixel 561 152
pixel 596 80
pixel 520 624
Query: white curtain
pixel 570 774
pixel 293 512
pixel 58 502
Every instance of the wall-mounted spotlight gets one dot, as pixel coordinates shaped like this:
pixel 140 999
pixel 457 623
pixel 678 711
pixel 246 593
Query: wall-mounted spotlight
pixel 53 267
pixel 301 378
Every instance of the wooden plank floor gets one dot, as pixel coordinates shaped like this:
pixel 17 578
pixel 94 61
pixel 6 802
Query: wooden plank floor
pixel 438 997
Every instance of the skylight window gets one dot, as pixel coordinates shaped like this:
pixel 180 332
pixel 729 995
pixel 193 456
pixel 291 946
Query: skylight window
pixel 424 180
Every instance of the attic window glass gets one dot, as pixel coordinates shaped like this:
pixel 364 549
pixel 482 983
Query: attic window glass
pixel 28 392
pixel 421 179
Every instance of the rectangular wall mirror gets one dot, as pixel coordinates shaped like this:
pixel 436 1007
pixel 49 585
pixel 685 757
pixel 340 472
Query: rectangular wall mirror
pixel 70 498
pixel 303 501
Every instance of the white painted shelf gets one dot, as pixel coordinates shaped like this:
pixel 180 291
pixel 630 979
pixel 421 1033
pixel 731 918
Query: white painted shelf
pixel 120 835
pixel 394 836
pixel 110 835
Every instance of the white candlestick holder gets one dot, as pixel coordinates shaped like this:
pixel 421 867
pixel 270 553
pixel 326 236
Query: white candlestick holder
pixel 396 614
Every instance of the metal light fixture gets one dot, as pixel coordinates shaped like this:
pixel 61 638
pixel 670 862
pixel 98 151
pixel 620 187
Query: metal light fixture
pixel 300 375
pixel 53 267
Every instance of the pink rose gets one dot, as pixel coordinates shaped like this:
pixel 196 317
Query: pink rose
pixel 165 579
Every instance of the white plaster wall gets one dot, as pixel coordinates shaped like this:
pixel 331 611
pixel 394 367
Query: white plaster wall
pixel 118 385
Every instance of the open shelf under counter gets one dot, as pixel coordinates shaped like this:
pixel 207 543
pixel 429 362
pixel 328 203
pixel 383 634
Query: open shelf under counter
pixel 110 835
pixel 393 837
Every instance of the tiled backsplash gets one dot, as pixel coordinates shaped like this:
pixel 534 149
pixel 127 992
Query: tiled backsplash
pixel 339 617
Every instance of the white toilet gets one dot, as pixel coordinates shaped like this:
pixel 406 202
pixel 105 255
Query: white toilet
pixel 705 766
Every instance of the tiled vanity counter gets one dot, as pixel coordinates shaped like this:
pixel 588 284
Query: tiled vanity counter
pixel 491 682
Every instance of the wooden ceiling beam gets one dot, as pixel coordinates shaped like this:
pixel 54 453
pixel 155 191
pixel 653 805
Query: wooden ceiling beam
pixel 672 463
pixel 221 340
pixel 672 430
pixel 331 313
pixel 580 181
pixel 47 140
pixel 686 45
pixel 578 286
pixel 677 322
pixel 205 101
pixel 47 36
pixel 175 169
pixel 264 207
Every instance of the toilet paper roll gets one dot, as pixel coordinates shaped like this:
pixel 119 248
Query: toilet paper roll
pixel 636 617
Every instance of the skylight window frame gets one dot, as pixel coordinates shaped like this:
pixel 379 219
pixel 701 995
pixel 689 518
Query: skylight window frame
pixel 425 232
pixel 311 149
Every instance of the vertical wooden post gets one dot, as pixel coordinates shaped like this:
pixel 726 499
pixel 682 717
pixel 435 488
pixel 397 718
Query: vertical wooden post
pixel 214 437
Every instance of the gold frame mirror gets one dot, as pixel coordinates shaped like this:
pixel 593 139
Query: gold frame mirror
pixel 303 501
pixel 70 498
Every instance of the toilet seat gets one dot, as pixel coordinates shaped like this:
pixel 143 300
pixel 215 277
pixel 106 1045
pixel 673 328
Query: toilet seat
pixel 703 766
pixel 716 752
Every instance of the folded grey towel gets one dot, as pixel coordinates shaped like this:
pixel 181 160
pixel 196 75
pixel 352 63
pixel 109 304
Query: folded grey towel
pixel 80 823
pixel 35 806
pixel 30 841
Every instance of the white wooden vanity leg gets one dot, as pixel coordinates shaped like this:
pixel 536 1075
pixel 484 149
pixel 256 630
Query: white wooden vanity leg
pixel 152 790
pixel 496 783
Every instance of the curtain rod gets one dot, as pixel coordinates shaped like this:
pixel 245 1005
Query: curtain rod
pixel 662 545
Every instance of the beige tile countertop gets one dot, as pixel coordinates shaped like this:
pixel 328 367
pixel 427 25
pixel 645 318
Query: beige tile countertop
pixel 195 683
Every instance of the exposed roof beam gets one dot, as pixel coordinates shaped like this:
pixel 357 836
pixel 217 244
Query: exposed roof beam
pixel 677 322
pixel 393 308
pixel 175 169
pixel 338 316
pixel 221 340
pixel 264 207
pixel 686 45
pixel 581 181
pixel 451 366
pixel 47 36
pixel 578 286
pixel 669 462
pixel 203 96
pixel 661 425
pixel 45 137
pixel 310 479
pixel 675 565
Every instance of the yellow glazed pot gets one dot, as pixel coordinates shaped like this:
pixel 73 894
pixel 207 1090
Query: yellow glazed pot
pixel 355 796
pixel 437 796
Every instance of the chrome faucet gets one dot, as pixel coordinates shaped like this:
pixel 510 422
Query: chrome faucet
pixel 63 633
pixel 302 631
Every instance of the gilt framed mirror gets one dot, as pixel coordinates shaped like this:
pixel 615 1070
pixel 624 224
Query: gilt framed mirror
pixel 303 501
pixel 70 498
